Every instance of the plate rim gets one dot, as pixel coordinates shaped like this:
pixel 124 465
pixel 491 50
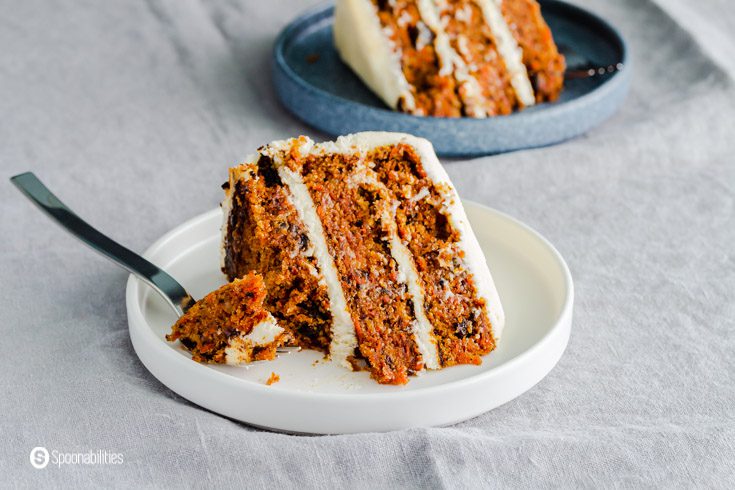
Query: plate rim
pixel 136 318
pixel 617 83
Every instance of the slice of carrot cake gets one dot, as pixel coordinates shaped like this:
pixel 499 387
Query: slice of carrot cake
pixel 230 325
pixel 451 58
pixel 365 251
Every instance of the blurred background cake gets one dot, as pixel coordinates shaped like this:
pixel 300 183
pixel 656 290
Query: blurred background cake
pixel 451 58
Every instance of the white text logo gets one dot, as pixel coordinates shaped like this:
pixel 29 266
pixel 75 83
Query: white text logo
pixel 39 457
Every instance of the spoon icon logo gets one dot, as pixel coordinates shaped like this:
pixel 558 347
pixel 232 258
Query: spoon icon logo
pixel 39 457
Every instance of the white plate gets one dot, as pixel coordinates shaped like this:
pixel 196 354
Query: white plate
pixel 316 396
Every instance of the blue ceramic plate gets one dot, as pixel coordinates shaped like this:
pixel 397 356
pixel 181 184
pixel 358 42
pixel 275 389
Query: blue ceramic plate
pixel 314 84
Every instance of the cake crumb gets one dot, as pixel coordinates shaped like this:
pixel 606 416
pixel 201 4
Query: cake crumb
pixel 274 378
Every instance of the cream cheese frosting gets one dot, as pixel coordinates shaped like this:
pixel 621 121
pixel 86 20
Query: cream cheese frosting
pixel 362 44
pixel 344 339
pixel 239 347
pixel 365 45
pixel 509 50
pixel 474 257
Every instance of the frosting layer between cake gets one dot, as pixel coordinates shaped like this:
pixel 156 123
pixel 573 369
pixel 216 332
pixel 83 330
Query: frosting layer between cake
pixel 376 177
pixel 498 56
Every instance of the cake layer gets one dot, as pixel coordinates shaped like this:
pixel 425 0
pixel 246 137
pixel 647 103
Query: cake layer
pixel 544 63
pixel 263 232
pixel 343 342
pixel 230 325
pixel 356 220
pixel 458 314
pixel 406 284
pixel 430 76
pixel 432 170
pixel 451 58
pixel 472 38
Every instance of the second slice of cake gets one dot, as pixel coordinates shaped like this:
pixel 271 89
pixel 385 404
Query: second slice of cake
pixel 366 253
pixel 451 58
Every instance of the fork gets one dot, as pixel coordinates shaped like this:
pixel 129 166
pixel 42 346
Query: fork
pixel 170 290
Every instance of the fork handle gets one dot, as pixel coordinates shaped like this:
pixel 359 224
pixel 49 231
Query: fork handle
pixel 173 292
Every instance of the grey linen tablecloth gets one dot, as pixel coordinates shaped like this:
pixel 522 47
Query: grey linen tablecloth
pixel 133 111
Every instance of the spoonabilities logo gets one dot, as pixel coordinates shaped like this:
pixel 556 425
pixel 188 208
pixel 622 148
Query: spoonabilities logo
pixel 39 457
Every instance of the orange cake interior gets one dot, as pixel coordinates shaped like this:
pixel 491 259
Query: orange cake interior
pixel 365 251
pixel 451 58
pixel 230 325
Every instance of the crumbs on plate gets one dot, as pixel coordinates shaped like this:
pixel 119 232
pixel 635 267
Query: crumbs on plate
pixel 274 378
